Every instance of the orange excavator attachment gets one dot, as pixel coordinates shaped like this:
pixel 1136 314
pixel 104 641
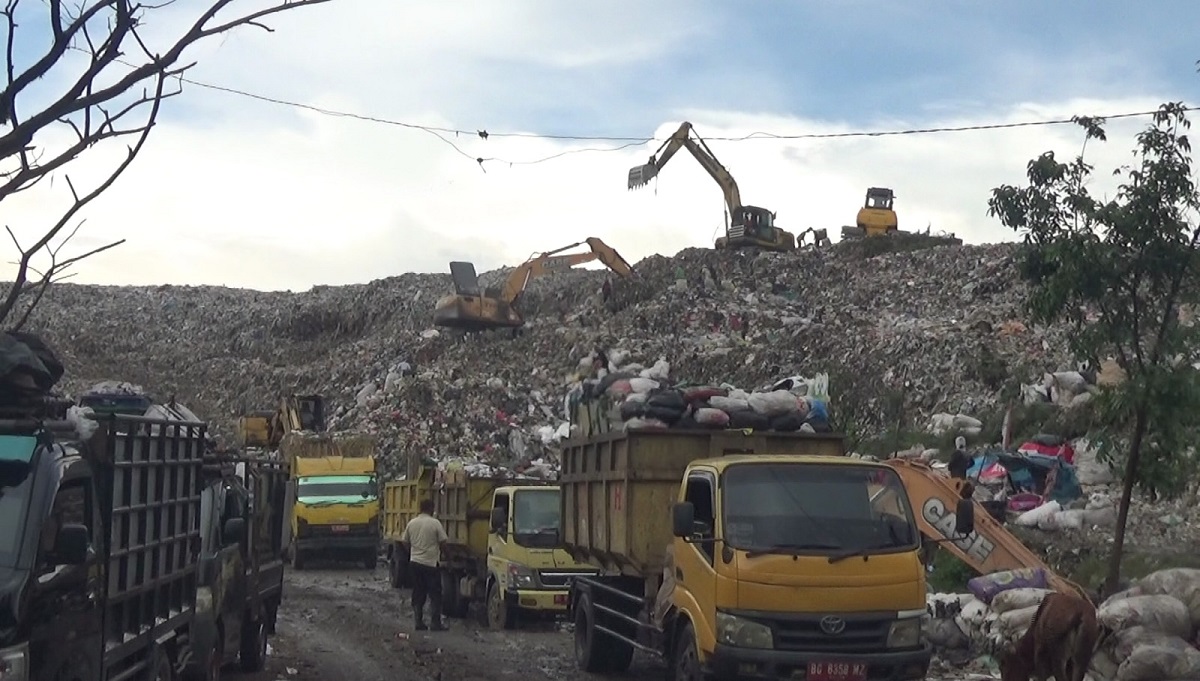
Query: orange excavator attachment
pixel 990 548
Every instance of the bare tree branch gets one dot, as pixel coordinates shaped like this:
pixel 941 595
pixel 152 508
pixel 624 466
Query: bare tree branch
pixel 108 97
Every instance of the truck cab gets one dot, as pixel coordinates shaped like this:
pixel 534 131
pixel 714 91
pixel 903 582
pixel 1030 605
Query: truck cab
pixel 528 570
pixel 336 510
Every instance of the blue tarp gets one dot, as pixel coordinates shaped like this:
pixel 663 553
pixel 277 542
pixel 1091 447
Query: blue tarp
pixel 1029 472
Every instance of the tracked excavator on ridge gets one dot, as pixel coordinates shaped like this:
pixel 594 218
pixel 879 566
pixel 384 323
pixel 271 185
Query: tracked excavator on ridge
pixel 472 309
pixel 746 226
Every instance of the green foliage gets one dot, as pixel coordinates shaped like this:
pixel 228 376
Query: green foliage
pixel 1118 271
pixel 950 575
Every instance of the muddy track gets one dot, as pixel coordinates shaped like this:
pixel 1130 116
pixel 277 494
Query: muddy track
pixel 350 625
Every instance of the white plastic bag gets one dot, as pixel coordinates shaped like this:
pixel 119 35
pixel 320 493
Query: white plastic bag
pixel 1034 516
pixel 640 384
pixel 729 405
pixel 1182 583
pixel 1165 614
pixel 1017 599
pixel 773 403
pixel 1155 662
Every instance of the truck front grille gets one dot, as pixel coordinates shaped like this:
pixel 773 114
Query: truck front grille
pixel 860 635
pixel 554 579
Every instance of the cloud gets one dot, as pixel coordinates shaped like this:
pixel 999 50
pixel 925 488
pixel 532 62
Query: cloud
pixel 239 192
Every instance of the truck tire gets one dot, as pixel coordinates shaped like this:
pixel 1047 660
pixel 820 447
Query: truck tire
pixel 452 600
pixel 160 666
pixel 595 651
pixel 371 560
pixel 394 571
pixel 297 560
pixel 253 655
pixel 499 615
pixel 686 663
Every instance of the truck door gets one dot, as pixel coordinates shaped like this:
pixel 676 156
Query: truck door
pixel 695 572
pixel 66 606
pixel 233 564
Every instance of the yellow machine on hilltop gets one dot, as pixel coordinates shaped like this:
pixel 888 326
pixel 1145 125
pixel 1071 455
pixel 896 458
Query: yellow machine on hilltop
pixel 471 309
pixel 746 226
pixel 877 218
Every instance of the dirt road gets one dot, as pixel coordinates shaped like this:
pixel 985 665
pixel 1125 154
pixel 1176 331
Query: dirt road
pixel 342 624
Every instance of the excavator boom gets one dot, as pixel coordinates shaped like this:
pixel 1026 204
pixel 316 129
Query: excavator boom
pixel 990 548
pixel 748 225
pixel 472 309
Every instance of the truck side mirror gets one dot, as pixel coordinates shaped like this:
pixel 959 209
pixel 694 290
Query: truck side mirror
pixel 964 517
pixel 234 530
pixel 71 544
pixel 499 520
pixel 683 519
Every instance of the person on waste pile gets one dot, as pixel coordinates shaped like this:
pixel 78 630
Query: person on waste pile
pixel 424 538
pixel 960 461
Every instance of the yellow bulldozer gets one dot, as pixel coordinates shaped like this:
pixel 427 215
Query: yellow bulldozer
pixel 745 226
pixel 265 428
pixel 877 218
pixel 472 309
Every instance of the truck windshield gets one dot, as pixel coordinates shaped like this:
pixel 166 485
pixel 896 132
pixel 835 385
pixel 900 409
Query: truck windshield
pixel 536 518
pixel 814 508
pixel 336 489
pixel 16 483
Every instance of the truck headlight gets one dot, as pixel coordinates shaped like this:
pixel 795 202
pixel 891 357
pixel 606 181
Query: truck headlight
pixel 14 663
pixel 905 633
pixel 742 633
pixel 521 577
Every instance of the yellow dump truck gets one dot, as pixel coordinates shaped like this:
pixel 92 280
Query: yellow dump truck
pixel 334 497
pixel 741 554
pixel 504 549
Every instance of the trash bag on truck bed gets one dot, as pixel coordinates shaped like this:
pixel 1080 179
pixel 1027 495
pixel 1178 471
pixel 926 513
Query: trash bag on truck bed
pixel 27 365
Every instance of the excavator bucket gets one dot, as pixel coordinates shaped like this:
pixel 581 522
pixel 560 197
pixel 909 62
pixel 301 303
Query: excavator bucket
pixel 640 175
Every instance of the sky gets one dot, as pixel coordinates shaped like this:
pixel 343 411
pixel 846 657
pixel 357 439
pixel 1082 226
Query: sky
pixel 237 191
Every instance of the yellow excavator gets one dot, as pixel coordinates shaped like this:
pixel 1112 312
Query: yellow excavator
pixel 471 309
pixel 746 226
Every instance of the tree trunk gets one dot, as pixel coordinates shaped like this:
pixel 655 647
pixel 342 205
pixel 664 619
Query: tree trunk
pixel 1131 466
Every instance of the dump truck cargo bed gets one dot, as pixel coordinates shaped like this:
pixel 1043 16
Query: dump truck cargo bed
pixel 618 488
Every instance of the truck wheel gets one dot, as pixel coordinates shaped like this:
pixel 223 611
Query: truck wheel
pixel 589 654
pixel 253 655
pixel 160 666
pixel 297 560
pixel 394 571
pixel 499 615
pixel 450 599
pixel 686 665
pixel 371 561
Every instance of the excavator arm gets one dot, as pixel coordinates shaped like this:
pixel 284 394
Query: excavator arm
pixel 683 138
pixel 553 261
pixel 990 548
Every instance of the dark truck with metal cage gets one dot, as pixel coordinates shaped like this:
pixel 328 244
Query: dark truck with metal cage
pixel 243 512
pixel 742 554
pixel 99 539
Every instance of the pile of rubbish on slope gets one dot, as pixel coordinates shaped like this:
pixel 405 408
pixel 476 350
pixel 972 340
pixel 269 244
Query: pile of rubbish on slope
pixel 719 315
pixel 1154 623
pixel 626 395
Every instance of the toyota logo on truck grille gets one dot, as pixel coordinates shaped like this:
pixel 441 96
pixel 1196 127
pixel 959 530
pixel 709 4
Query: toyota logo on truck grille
pixel 833 625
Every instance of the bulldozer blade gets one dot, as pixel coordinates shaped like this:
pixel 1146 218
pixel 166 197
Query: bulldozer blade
pixel 640 175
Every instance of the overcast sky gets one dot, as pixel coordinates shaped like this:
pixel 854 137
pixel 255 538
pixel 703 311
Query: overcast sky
pixel 240 192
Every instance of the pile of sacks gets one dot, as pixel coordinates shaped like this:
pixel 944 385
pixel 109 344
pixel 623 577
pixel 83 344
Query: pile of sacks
pixel 633 397
pixel 1152 626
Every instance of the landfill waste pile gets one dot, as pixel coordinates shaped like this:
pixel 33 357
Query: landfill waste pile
pixel 718 318
pixel 1148 631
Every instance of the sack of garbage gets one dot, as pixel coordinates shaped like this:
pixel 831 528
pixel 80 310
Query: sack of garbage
pixel 1013 624
pixel 729 405
pixel 945 634
pixel 1162 613
pixel 1182 583
pixel 1016 599
pixel 1127 640
pixel 1160 660
pixel 711 418
pixel 774 403
pixel 986 587
pixel 1035 517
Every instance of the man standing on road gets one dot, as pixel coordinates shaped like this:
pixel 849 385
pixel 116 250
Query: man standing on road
pixel 424 538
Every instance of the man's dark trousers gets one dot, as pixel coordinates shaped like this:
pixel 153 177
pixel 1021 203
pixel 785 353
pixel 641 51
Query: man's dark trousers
pixel 427 584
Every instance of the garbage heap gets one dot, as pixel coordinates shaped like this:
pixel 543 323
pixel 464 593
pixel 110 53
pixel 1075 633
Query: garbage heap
pixel 626 395
pixel 1153 624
